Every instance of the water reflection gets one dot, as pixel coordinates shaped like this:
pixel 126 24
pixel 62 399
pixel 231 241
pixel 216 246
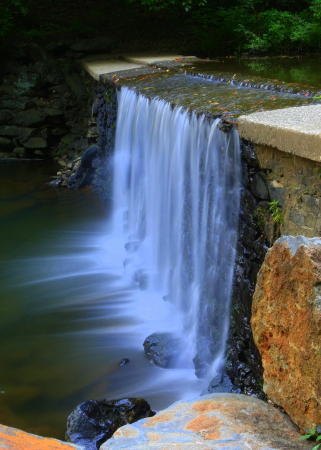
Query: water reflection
pixel 66 316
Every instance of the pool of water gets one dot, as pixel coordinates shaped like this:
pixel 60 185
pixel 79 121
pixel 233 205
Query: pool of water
pixel 293 74
pixel 67 317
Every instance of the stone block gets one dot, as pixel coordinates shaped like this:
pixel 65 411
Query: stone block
pixel 36 142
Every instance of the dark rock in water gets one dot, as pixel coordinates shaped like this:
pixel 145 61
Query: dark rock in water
pixel 162 349
pixel 219 384
pixel 124 361
pixel 85 170
pixel 93 422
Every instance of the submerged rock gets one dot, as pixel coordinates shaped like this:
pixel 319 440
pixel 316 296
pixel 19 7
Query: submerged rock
pixel 215 421
pixel 162 349
pixel 93 422
pixel 286 326
pixel 219 384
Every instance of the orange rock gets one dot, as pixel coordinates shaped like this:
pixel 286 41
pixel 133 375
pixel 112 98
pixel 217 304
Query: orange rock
pixel 13 439
pixel 286 325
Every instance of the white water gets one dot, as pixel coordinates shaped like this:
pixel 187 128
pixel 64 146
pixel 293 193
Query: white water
pixel 176 204
pixel 71 309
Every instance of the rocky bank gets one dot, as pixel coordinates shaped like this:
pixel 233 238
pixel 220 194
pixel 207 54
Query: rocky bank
pixel 286 325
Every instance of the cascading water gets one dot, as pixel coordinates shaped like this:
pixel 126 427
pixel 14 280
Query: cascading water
pixel 176 202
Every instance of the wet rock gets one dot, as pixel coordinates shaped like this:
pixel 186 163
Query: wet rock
pixel 286 325
pixel 36 142
pixel 215 421
pixel 96 44
pixel 124 362
pixel 258 187
pixel 162 349
pixel 219 384
pixel 30 118
pixel 93 422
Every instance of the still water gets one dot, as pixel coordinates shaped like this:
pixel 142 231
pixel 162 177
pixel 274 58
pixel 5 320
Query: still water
pixel 66 316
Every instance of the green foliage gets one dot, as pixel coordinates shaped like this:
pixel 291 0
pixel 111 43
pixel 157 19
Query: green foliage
pixel 276 212
pixel 315 435
pixel 9 9
pixel 163 4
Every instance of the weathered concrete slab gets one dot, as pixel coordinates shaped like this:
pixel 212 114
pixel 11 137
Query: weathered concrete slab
pixel 102 64
pixel 216 421
pixel 294 130
pixel 105 63
pixel 149 58
pixel 13 439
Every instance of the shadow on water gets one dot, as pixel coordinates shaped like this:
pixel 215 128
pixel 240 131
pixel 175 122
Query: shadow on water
pixel 66 316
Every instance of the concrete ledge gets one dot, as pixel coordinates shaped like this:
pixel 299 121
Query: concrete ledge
pixel 293 130
pixel 102 64
pixel 105 63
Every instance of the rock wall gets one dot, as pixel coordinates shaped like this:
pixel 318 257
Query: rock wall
pixel 294 183
pixel 281 194
pixel 243 360
pixel 45 104
pixel 286 325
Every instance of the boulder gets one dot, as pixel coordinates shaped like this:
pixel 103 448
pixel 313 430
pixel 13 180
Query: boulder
pixel 93 422
pixel 215 421
pixel 96 44
pixel 13 439
pixel 162 349
pixel 286 324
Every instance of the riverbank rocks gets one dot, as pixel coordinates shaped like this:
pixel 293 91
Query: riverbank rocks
pixel 215 421
pixel 13 439
pixel 44 98
pixel 93 422
pixel 286 326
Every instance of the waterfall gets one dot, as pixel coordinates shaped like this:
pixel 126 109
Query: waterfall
pixel 176 202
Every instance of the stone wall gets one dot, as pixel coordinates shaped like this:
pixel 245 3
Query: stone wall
pixel 294 182
pixel 45 104
pixel 281 195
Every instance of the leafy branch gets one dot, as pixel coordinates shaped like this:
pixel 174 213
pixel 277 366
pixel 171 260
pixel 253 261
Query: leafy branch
pixel 314 435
